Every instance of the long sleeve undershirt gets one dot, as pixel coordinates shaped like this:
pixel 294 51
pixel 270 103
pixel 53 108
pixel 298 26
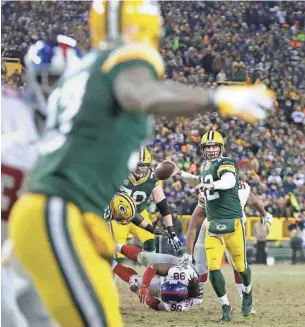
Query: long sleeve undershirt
pixel 226 182
pixel 190 179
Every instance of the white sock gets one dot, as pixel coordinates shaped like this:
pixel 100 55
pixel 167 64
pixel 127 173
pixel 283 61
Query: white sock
pixel 247 289
pixel 224 300
pixel 240 288
pixel 119 247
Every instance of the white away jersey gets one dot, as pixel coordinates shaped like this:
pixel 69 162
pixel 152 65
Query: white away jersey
pixel 183 275
pixel 243 194
pixel 18 152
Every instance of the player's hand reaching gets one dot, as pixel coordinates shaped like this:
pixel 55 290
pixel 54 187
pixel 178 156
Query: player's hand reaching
pixel 176 171
pixel 185 260
pixel 251 103
pixel 204 187
pixel 174 241
pixel 267 219
pixel 143 294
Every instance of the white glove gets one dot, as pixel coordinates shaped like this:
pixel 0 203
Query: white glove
pixel 267 219
pixel 251 103
pixel 185 260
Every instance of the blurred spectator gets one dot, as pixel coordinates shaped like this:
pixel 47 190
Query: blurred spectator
pixel 207 43
pixel 296 231
pixel 260 231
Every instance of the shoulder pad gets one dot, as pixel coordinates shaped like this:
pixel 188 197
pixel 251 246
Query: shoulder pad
pixel 135 51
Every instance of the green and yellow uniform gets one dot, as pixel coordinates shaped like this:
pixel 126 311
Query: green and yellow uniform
pixel 224 205
pixel 85 154
pixel 140 190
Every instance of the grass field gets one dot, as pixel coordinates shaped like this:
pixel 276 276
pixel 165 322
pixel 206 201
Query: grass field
pixel 279 300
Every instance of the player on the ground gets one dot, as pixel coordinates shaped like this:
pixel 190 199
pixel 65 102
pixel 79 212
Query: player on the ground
pixel 224 226
pixel 20 305
pixel 123 211
pixel 164 285
pixel 140 185
pixel 98 116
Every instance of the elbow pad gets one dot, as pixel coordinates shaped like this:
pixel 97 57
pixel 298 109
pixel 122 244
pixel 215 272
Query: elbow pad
pixel 163 207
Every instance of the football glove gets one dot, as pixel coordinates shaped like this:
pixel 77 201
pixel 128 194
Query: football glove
pixel 185 260
pixel 267 219
pixel 174 241
pixel 250 103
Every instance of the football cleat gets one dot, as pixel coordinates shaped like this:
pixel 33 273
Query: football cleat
pixel 226 314
pixel 246 307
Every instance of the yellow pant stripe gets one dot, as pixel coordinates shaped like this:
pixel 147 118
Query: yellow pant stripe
pixel 75 277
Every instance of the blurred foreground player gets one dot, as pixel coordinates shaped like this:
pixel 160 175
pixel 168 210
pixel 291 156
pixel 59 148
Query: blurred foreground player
pixel 20 305
pixel 98 116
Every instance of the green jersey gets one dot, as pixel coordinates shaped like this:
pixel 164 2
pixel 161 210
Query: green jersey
pixel 140 190
pixel 221 203
pixel 90 141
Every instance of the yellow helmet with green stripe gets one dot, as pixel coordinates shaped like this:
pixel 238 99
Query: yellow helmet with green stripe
pixel 127 20
pixel 212 145
pixel 122 208
pixel 143 163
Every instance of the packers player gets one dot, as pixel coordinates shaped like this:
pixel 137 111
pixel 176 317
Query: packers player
pixel 123 212
pixel 141 184
pixel 101 105
pixel 224 227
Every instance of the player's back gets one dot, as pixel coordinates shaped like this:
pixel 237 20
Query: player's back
pixel 18 152
pixel 89 138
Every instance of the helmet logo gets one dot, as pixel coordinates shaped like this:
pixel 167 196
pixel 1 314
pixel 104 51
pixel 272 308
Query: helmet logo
pixel 122 209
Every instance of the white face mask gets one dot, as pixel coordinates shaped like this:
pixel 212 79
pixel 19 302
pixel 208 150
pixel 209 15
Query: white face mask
pixel 212 152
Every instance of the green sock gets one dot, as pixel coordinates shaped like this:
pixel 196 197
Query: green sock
pixel 246 276
pixel 218 282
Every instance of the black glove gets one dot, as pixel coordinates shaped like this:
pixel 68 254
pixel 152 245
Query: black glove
pixel 174 241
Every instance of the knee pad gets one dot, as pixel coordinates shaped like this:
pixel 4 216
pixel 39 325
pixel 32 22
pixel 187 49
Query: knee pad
pixel 149 245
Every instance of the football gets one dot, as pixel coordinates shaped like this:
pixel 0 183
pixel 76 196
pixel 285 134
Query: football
pixel 164 170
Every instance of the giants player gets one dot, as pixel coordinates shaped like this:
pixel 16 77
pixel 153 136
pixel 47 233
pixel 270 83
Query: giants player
pixel 165 285
pixel 18 156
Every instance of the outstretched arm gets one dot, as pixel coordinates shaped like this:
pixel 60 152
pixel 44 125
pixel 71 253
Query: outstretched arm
pixel 142 223
pixel 254 201
pixel 195 221
pixel 162 205
pixel 137 89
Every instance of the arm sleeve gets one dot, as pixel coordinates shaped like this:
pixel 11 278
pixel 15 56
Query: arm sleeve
pixel 226 165
pixel 226 182
pixel 190 179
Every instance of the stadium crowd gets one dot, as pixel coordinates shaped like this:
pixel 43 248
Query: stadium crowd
pixel 207 43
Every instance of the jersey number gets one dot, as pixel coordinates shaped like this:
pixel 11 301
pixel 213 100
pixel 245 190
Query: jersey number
pixel 179 276
pixel 11 180
pixel 138 196
pixel 210 195
pixel 176 307
pixel 64 103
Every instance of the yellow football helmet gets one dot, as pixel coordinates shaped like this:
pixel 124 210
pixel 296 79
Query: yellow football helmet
pixel 212 145
pixel 143 163
pixel 122 208
pixel 131 21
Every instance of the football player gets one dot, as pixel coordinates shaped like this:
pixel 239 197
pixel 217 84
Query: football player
pixel 224 226
pixel 123 212
pixel 98 116
pixel 198 219
pixel 141 184
pixel 164 286
pixel 20 305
